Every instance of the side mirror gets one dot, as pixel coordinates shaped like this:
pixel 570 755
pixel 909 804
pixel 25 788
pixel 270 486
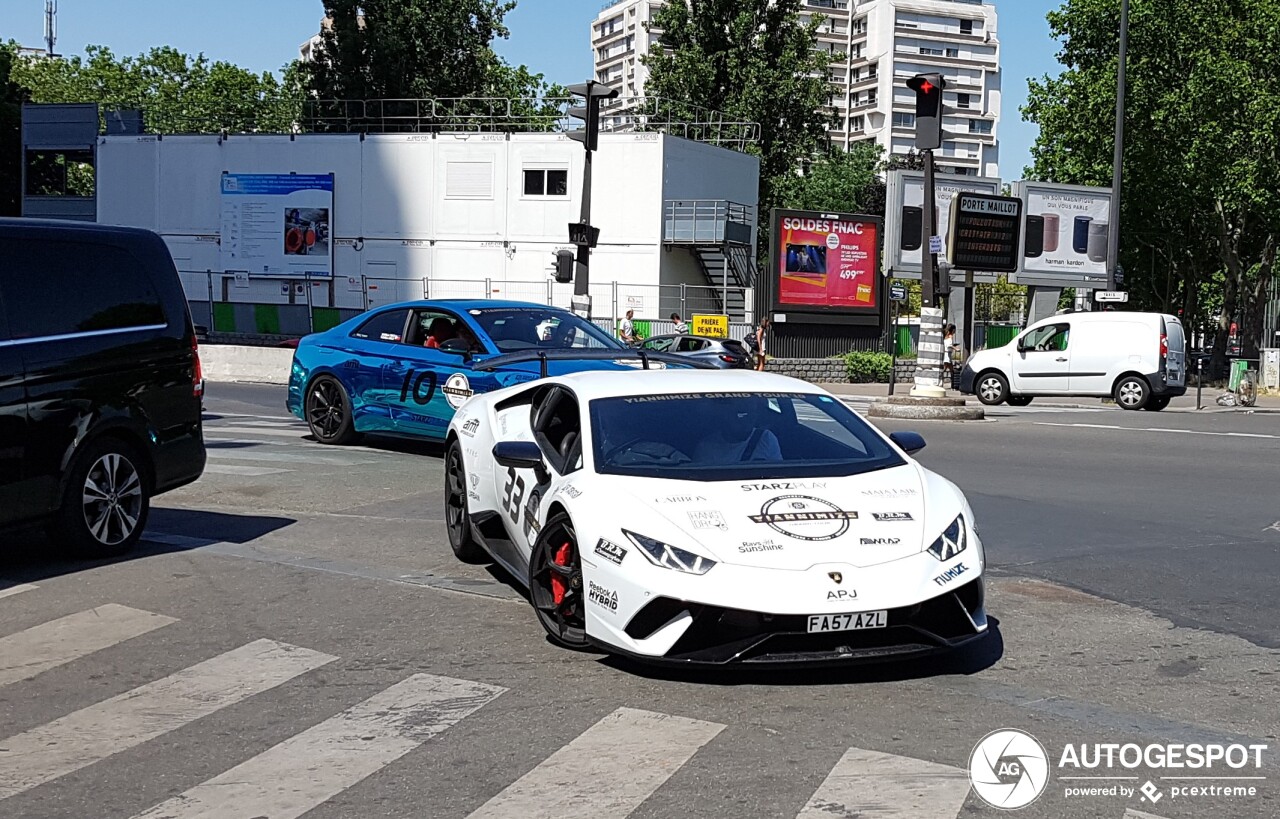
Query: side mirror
pixel 518 454
pixel 457 346
pixel 911 442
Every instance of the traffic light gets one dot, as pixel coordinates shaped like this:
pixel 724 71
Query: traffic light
pixel 928 88
pixel 592 92
pixel 564 266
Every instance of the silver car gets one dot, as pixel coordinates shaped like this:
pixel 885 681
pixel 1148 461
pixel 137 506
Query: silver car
pixel 724 353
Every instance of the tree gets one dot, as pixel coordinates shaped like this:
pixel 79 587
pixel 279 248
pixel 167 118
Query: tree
pixel 1201 201
pixel 840 181
pixel 177 93
pixel 11 99
pixel 749 60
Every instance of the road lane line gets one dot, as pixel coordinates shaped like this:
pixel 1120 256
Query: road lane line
pixel 94 733
pixel 306 770
pixel 280 457
pixel 37 649
pixel 888 786
pixel 608 770
pixel 296 433
pixel 243 471
pixel 9 591
pixel 1163 430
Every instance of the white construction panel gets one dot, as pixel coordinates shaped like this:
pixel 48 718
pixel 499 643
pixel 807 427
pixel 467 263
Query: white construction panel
pixel 128 181
pixel 471 196
pixel 397 181
pixel 190 184
pixel 338 154
pixel 459 270
pixel 545 216
pixel 626 199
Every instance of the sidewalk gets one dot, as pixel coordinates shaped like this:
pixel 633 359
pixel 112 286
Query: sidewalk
pixel 1184 403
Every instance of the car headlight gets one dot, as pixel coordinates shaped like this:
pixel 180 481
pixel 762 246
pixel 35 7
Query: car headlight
pixel 668 556
pixel 951 542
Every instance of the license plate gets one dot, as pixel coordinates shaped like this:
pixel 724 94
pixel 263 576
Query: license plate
pixel 848 622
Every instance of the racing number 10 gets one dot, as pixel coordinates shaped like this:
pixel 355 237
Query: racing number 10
pixel 413 386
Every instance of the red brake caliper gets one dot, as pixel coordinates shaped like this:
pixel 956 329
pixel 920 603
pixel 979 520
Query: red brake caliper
pixel 558 585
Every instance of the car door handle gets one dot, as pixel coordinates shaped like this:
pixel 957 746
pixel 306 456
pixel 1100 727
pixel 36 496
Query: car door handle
pixel 1059 359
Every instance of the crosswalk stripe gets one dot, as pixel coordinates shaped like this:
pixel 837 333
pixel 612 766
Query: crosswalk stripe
pixel 94 733
pixel 281 457
pixel 35 650
pixel 888 786
pixel 608 770
pixel 1130 813
pixel 292 432
pixel 302 772
pixel 9 591
pixel 242 471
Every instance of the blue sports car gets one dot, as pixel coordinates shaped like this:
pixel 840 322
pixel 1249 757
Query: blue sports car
pixel 404 369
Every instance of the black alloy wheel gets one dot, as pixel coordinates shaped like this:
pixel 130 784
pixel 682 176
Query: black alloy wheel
pixel 556 585
pixel 328 411
pixel 457 515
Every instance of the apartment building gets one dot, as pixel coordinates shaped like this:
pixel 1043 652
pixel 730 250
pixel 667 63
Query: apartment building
pixel 883 42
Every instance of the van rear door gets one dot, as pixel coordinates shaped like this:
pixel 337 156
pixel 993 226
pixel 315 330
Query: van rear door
pixel 1175 359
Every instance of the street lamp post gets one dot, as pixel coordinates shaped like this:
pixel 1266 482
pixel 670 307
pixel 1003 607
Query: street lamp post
pixel 1117 170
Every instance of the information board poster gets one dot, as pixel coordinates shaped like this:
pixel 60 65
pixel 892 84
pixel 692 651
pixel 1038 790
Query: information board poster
pixel 278 224
pixel 826 260
pixel 1067 230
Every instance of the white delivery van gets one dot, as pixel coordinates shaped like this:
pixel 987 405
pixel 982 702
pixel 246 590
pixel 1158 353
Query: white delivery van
pixel 1139 359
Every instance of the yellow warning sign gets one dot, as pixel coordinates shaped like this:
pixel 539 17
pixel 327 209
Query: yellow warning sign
pixel 710 325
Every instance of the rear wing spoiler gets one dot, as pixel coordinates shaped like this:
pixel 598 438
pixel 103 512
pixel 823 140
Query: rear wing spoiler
pixel 570 354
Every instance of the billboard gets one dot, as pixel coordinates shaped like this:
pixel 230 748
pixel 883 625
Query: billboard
pixel 277 224
pixel 904 207
pixel 1066 231
pixel 826 262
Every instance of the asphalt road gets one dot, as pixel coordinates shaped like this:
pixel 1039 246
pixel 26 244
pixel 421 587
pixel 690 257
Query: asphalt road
pixel 295 636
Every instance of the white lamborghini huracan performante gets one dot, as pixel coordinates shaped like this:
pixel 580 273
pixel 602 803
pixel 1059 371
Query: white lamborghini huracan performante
pixel 680 516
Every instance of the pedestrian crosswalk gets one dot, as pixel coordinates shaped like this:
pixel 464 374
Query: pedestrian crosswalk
pixel 618 763
pixel 258 446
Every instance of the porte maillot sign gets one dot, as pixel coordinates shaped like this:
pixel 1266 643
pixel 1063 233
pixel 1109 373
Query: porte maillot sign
pixel 985 232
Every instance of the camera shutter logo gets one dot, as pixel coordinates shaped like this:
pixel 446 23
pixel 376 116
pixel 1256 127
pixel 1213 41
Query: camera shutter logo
pixel 1009 769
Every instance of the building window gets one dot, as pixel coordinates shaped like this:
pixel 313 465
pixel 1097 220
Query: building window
pixel 953 52
pixel 860 26
pixel 966 27
pixel 871 97
pixel 855 75
pixel 872 71
pixel 903 120
pixel 857 52
pixel 930 52
pixel 857 124
pixel 979 126
pixel 962 100
pixel 468 180
pixel 546 182
pixel 961 171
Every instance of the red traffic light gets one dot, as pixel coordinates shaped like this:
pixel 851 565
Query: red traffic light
pixel 926 86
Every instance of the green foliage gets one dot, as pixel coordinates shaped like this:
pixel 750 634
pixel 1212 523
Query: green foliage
pixel 178 93
pixel 840 181
pixel 1200 215
pixel 865 367
pixel 750 60
pixel 11 97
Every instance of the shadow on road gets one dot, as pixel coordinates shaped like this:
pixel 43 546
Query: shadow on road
pixel 30 555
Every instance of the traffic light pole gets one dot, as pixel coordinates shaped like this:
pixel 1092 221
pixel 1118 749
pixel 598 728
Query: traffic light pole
pixel 582 279
pixel 1117 170
pixel 929 355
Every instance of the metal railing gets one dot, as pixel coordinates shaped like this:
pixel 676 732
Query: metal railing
pixel 707 221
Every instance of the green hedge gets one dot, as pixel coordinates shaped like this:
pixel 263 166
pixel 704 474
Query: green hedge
pixel 866 367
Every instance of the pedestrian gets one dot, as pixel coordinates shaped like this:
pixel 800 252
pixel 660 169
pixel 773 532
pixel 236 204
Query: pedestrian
pixel 627 332
pixel 681 325
pixel 950 352
pixel 762 331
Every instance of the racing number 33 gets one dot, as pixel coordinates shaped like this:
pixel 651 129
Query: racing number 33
pixel 412 386
pixel 513 497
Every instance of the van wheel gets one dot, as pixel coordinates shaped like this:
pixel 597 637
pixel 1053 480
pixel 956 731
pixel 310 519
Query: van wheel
pixel 992 388
pixel 328 411
pixel 1019 400
pixel 107 500
pixel 1132 393
pixel 1157 402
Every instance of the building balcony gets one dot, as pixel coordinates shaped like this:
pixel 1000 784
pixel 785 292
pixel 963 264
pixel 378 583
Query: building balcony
pixel 707 222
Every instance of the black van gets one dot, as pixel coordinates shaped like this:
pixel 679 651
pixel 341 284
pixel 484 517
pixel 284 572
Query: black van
pixel 100 381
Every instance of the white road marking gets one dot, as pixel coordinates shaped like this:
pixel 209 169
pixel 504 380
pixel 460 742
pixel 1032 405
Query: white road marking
pixel 279 419
pixel 304 771
pixel 295 433
pixel 9 591
pixel 1130 813
pixel 37 649
pixel 608 770
pixel 94 733
pixel 888 786
pixel 281 457
pixel 243 471
pixel 1164 430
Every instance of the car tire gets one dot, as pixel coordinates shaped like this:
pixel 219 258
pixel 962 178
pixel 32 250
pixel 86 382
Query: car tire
pixel 991 388
pixel 327 408
pixel 1156 403
pixel 457 514
pixel 556 585
pixel 106 502
pixel 1131 393
pixel 1019 400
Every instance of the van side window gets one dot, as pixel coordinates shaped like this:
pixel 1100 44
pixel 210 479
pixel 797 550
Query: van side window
pixel 59 288
pixel 1051 338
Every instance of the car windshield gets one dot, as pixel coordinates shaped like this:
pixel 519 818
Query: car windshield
pixel 532 328
pixel 734 436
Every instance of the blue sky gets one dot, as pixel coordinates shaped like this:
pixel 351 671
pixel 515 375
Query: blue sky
pixel 550 36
